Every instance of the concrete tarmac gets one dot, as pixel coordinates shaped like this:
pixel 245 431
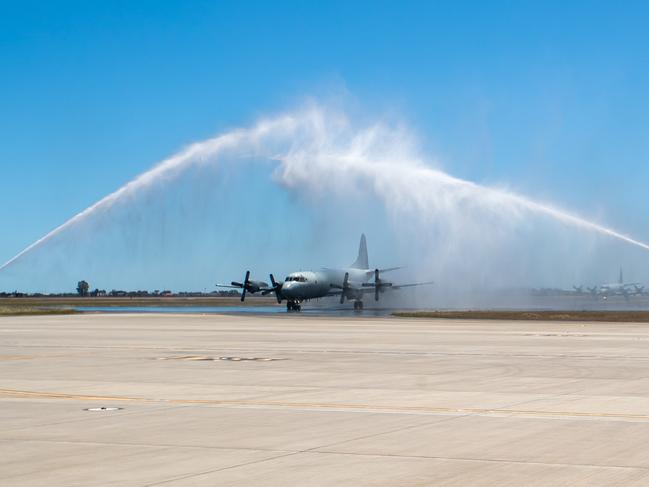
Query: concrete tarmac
pixel 319 401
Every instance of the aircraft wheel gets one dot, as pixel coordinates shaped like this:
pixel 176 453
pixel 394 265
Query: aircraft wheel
pixel 293 306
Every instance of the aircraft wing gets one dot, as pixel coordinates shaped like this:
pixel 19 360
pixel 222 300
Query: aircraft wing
pixel 399 286
pixel 368 287
pixel 352 290
pixel 338 290
pixel 333 292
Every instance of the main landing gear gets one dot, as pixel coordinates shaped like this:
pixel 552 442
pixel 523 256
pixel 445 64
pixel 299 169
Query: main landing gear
pixel 293 306
pixel 358 305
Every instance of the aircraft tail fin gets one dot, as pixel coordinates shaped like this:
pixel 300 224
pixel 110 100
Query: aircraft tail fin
pixel 621 280
pixel 361 260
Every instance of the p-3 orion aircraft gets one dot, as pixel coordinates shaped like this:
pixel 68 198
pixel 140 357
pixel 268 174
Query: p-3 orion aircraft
pixel 351 283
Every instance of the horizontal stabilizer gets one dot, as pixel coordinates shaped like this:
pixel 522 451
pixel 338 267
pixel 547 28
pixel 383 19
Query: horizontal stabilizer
pixel 390 269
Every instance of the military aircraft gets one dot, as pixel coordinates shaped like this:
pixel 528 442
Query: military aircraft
pixel 351 283
pixel 619 288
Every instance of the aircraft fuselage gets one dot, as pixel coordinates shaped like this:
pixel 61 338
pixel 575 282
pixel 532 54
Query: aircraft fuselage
pixel 303 285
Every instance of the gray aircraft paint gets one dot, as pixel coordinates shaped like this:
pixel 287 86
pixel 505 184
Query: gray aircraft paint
pixel 305 285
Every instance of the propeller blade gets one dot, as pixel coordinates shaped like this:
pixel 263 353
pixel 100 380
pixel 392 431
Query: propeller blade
pixel 345 287
pixel 246 285
pixel 277 288
pixel 377 284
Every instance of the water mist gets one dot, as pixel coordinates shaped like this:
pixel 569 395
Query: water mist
pixel 323 159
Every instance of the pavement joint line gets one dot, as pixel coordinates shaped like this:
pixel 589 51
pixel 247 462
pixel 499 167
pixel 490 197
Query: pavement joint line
pixel 317 451
pixel 552 396
pixel 548 397
pixel 63 467
pixel 393 430
pixel 90 418
pixel 490 460
pixel 428 423
pixel 220 469
pixel 307 450
pixel 160 445
pixel 329 406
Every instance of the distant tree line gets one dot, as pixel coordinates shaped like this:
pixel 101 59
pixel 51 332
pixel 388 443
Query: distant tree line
pixel 83 290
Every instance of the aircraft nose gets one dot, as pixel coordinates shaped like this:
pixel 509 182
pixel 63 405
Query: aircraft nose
pixel 288 289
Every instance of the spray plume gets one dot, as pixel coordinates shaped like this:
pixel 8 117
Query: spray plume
pixel 318 152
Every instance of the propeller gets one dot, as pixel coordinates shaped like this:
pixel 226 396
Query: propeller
pixel 578 289
pixel 276 287
pixel 245 286
pixel 344 288
pixel 638 289
pixel 592 290
pixel 378 284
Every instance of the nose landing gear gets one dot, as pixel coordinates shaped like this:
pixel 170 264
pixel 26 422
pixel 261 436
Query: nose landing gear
pixel 358 305
pixel 293 306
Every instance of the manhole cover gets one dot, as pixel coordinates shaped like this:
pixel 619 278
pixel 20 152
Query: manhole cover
pixel 102 409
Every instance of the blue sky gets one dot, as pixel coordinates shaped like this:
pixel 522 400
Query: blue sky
pixel 548 98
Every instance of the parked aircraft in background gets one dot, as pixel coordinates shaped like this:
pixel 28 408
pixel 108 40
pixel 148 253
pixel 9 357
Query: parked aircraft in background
pixel 619 288
pixel 351 283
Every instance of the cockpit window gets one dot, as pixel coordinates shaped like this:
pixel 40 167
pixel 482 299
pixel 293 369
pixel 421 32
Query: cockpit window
pixel 296 278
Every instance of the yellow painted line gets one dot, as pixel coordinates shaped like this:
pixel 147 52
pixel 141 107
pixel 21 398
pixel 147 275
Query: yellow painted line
pixel 325 406
pixel 59 395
